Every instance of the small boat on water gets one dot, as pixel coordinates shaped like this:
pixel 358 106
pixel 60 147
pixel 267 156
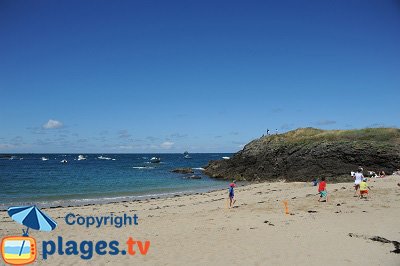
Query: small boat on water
pixel 155 160
pixel 187 156
pixel 63 161
pixel 103 158
pixel 81 157
pixel 226 158
pixel 44 159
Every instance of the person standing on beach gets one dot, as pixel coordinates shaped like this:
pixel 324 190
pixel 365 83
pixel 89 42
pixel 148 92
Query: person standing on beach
pixel 364 188
pixel 232 199
pixel 358 179
pixel 322 190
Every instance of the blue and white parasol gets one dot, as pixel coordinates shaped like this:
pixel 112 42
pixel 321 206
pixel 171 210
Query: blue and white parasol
pixel 32 217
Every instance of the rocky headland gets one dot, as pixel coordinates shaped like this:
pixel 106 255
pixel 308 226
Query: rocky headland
pixel 307 153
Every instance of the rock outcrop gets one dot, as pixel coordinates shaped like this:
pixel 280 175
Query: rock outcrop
pixel 307 153
pixel 183 170
pixel 193 177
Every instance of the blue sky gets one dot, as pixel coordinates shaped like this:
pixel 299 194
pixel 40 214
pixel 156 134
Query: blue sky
pixel 203 76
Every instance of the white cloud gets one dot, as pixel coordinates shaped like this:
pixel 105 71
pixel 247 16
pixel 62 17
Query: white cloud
pixel 53 124
pixel 123 134
pixel 167 145
pixel 6 146
pixel 126 147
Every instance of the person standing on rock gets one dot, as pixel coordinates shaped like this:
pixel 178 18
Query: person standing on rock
pixel 358 179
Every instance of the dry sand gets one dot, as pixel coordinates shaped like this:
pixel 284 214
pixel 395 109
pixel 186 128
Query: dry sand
pixel 201 230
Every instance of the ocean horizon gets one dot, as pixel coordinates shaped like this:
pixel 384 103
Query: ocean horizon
pixel 42 179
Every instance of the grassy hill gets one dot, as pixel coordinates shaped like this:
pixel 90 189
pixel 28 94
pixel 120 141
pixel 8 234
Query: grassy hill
pixel 307 153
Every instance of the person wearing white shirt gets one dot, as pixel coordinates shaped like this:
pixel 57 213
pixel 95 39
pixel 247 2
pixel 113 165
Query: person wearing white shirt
pixel 358 177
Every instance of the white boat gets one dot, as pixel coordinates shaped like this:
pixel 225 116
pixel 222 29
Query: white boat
pixel 44 159
pixel 187 156
pixel 103 158
pixel 226 158
pixel 155 160
pixel 63 161
pixel 81 157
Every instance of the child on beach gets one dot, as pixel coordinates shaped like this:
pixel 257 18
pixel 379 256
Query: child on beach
pixel 322 190
pixel 364 189
pixel 232 199
pixel 358 178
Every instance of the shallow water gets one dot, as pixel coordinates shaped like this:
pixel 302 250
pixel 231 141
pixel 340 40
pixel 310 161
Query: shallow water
pixel 27 179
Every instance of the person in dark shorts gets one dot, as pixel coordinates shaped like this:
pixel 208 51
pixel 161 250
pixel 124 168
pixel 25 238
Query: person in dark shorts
pixel 232 199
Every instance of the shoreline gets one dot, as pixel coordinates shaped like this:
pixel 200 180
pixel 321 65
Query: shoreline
pixel 109 200
pixel 146 197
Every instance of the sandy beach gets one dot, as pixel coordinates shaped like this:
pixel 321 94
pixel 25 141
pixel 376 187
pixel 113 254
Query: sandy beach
pixel 200 229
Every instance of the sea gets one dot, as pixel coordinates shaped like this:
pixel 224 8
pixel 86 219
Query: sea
pixel 43 180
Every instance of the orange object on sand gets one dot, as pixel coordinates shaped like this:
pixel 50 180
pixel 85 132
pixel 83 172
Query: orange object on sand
pixel 285 202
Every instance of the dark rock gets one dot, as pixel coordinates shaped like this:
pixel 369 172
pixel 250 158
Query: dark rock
pixel 183 170
pixel 308 153
pixel 396 244
pixel 193 177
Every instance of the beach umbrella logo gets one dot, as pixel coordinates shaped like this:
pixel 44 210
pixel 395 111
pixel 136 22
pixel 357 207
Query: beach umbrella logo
pixel 18 250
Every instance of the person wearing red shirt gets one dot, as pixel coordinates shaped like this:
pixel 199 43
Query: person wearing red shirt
pixel 322 190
